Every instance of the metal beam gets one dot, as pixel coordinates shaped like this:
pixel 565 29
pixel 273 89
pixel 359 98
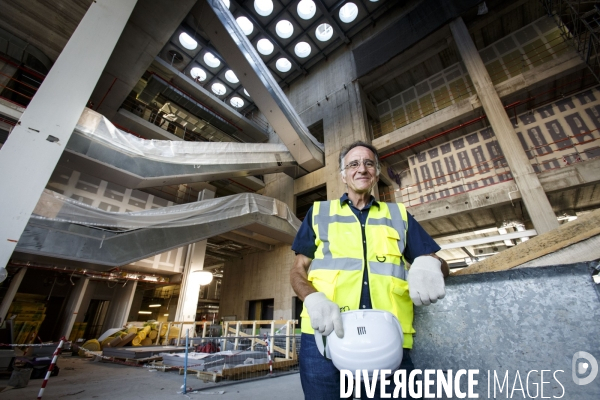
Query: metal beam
pixel 489 239
pixel 223 31
pixel 332 20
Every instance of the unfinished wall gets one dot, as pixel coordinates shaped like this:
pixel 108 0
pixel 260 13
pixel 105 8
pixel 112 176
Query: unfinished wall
pixel 255 277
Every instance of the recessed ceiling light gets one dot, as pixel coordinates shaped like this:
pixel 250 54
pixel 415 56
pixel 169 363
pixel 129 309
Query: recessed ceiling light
pixel 264 46
pixel 246 25
pixel 302 49
pixel 324 32
pixel 187 41
pixel 263 7
pixel 283 65
pixel 230 76
pixel 348 12
pixel 236 102
pixel 218 89
pixel 198 74
pixel 307 9
pixel 211 60
pixel 144 312
pixel 284 29
pixel 155 305
pixel 226 2
pixel 246 93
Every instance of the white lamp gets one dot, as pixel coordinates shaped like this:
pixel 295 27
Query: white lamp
pixel 204 277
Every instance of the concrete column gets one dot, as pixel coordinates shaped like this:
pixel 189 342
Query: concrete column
pixel 187 304
pixel 39 138
pixel 10 294
pixel 119 307
pixel 345 122
pixel 533 194
pixel 73 305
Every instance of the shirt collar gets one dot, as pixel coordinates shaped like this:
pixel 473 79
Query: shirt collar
pixel 346 200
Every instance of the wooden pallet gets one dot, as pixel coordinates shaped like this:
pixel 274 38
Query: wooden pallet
pixel 238 373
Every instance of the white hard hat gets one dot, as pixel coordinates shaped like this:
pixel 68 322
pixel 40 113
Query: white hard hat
pixel 372 340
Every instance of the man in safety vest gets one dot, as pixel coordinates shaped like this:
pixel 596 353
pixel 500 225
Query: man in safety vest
pixel 352 254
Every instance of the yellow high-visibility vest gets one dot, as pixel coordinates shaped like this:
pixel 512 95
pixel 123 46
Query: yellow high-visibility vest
pixel 337 269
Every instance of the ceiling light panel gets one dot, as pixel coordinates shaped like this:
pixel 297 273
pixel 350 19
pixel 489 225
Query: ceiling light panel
pixel 324 32
pixel 218 88
pixel 306 9
pixel 284 29
pixel 210 60
pixel 245 24
pixel 348 12
pixel 264 8
pixel 187 41
pixel 265 46
pixel 198 74
pixel 231 77
pixel 302 49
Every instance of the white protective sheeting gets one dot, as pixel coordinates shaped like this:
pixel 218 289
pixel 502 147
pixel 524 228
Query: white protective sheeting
pixel 100 129
pixel 56 207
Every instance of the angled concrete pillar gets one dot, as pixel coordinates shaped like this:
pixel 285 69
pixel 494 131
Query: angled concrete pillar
pixel 533 194
pixel 73 305
pixel 120 304
pixel 39 138
pixel 10 294
pixel 187 304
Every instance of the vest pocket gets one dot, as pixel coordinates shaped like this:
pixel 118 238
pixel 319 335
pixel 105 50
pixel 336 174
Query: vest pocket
pixel 323 280
pixel 403 306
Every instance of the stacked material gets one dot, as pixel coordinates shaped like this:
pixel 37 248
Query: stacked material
pixel 216 362
pixel 29 312
pixel 78 331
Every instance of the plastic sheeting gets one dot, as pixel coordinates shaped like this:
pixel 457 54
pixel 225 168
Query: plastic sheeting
pixel 100 129
pixel 56 207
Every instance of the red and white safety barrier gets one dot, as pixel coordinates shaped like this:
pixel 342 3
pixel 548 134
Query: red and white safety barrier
pixel 54 357
pixel 269 355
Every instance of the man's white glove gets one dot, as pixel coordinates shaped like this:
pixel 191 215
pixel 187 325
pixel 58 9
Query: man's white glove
pixel 324 314
pixel 426 281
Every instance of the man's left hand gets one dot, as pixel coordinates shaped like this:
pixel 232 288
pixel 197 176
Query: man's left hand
pixel 426 281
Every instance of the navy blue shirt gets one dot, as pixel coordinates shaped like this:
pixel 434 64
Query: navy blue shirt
pixel 418 242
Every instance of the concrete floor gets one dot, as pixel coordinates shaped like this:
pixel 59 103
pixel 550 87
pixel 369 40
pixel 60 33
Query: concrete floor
pixel 81 378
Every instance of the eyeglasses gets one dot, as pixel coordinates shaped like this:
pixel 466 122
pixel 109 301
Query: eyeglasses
pixel 353 165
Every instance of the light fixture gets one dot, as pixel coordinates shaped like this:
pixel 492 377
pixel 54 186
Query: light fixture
pixel 231 77
pixel 204 277
pixel 218 89
pixel 198 74
pixel 165 315
pixel 226 2
pixel 348 12
pixel 245 24
pixel 324 32
pixel 155 305
pixel 246 93
pixel 236 102
pixel 263 7
pixel 187 41
pixel 144 312
pixel 211 60
pixel 283 65
pixel 284 29
pixel 307 9
pixel 302 49
pixel 265 46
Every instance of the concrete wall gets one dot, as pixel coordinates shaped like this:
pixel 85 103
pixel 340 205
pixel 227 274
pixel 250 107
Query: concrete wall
pixel 255 277
pixel 553 136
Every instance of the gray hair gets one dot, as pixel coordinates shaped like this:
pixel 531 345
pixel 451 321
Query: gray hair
pixel 346 149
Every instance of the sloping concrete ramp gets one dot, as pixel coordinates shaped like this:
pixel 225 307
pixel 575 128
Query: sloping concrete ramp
pixel 97 147
pixel 63 228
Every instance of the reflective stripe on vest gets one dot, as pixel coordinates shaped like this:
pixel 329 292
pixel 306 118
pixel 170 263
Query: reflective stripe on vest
pixel 337 269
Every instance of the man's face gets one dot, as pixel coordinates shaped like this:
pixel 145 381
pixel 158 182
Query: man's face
pixel 362 179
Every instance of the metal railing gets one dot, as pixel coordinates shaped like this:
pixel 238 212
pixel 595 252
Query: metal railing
pixel 579 23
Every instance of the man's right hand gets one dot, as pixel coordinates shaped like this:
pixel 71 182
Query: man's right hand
pixel 324 314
